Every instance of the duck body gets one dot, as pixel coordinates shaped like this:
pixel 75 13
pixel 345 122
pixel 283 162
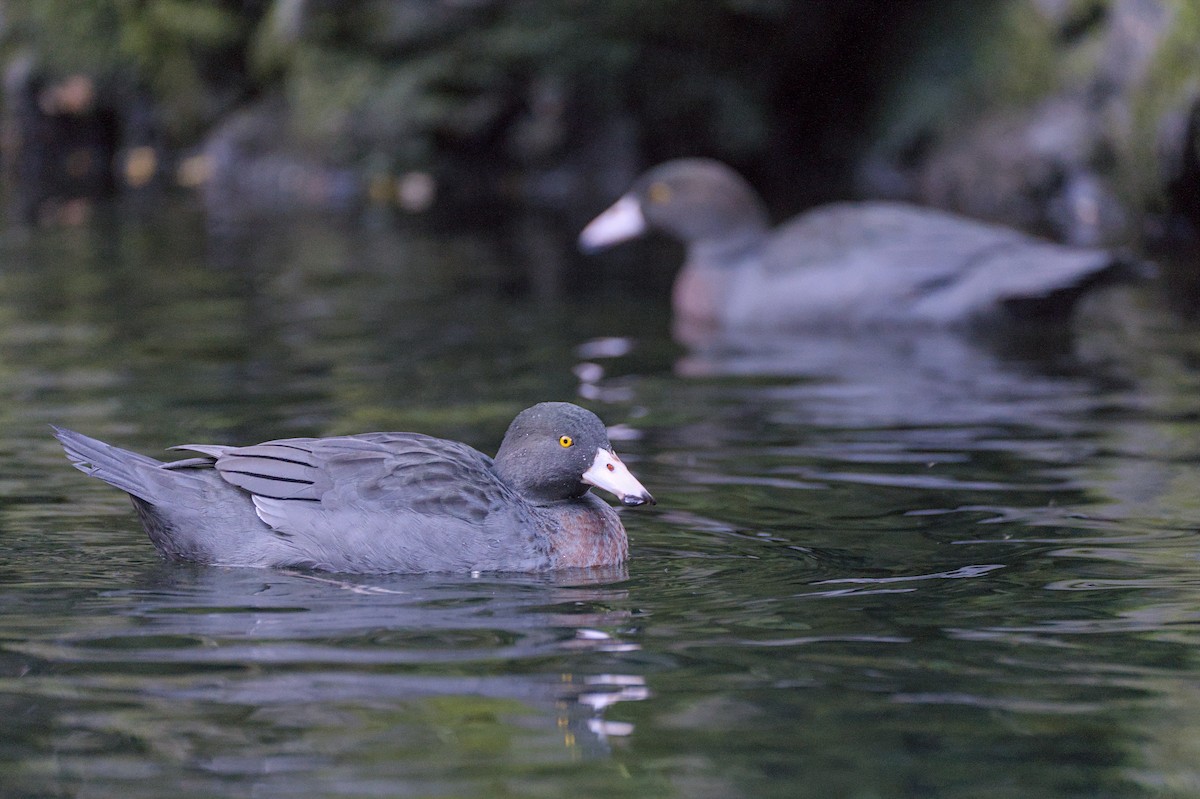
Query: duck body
pixel 841 265
pixel 384 502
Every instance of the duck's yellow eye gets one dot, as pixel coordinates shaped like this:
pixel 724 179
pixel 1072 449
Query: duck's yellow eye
pixel 659 193
pixel 566 441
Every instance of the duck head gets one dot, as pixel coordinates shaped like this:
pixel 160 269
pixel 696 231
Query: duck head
pixel 699 201
pixel 557 450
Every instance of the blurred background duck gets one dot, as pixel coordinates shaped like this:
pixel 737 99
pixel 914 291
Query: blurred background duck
pixel 845 265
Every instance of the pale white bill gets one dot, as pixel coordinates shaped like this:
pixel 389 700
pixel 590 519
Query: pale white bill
pixel 609 473
pixel 623 220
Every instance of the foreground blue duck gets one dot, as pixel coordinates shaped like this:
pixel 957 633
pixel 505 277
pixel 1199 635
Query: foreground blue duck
pixel 384 502
pixel 844 265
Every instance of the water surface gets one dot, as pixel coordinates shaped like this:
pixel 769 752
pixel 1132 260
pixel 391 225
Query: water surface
pixel 885 567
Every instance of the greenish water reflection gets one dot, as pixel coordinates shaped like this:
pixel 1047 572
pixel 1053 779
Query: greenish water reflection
pixel 905 569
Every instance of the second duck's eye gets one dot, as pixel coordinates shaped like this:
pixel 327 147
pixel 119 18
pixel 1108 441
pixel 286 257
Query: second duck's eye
pixel 566 441
pixel 659 193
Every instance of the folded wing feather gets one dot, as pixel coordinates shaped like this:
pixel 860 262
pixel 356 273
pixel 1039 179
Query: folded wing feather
pixel 373 473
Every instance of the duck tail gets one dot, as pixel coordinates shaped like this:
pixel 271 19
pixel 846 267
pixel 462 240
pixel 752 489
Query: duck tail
pixel 1082 271
pixel 188 511
pixel 135 474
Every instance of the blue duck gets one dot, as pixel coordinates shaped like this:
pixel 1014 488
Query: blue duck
pixel 384 502
pixel 844 265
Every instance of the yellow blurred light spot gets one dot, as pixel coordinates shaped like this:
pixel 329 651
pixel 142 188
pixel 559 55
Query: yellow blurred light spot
pixel 140 165
pixel 194 171
pixel 381 189
pixel 659 193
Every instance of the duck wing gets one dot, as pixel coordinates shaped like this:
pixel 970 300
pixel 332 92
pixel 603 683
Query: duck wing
pixel 384 474
pixel 384 502
pixel 881 260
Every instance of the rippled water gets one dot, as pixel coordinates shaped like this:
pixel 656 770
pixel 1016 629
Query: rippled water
pixel 879 567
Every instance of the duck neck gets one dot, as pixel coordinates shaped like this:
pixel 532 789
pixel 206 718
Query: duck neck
pixel 535 491
pixel 728 251
pixel 709 274
pixel 586 534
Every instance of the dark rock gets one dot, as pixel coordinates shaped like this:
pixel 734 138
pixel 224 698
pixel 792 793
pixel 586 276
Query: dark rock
pixel 1070 120
pixel 252 168
pixel 61 138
